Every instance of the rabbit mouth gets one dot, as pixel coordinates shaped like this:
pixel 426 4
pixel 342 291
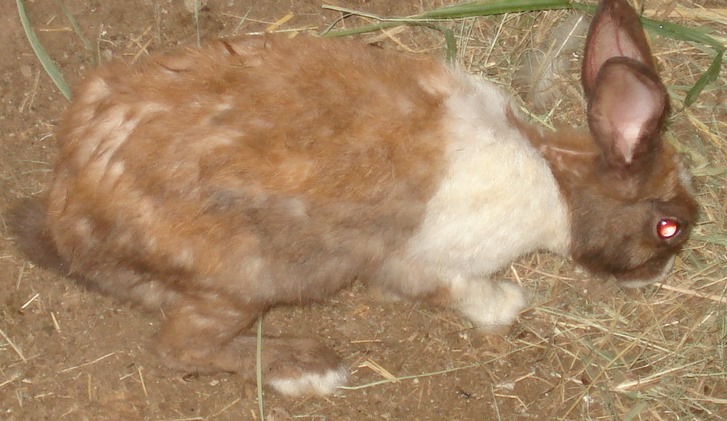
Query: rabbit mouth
pixel 638 283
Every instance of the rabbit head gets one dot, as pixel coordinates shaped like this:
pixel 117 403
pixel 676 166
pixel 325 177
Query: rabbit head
pixel 630 199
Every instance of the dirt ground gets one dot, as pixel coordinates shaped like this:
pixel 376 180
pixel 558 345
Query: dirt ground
pixel 71 354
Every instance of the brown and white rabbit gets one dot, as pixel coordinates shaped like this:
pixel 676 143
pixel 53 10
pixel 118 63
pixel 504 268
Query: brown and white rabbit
pixel 218 182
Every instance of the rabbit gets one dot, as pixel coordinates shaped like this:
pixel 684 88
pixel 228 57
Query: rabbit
pixel 216 182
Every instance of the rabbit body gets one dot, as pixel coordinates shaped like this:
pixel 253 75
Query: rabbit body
pixel 245 174
pixel 217 182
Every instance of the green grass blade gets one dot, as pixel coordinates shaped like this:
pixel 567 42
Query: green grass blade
pixel 95 59
pixel 196 22
pixel 50 68
pixel 497 7
pixel 459 11
pixel 76 28
pixel 258 368
pixel 451 43
pixel 681 33
pixel 708 77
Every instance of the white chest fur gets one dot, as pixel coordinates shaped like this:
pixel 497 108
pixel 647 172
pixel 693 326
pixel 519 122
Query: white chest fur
pixel 498 199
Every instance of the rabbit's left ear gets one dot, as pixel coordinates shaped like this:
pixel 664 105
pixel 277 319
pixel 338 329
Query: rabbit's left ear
pixel 615 31
pixel 626 100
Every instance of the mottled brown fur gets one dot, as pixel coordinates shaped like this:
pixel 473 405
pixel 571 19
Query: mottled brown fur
pixel 219 207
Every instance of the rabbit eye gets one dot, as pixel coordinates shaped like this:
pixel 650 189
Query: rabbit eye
pixel 667 228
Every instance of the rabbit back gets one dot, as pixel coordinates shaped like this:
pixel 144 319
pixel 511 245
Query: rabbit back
pixel 248 156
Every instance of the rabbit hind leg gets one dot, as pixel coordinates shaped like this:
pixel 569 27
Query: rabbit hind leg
pixel 204 334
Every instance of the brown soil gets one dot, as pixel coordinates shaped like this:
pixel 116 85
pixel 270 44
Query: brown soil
pixel 72 354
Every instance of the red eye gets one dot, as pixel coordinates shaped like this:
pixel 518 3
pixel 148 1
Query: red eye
pixel 667 228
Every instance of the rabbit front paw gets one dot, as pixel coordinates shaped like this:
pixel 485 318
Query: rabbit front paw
pixel 489 305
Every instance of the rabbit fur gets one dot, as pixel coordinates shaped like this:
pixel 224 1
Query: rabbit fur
pixel 217 182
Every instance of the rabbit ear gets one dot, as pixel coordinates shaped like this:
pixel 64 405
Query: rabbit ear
pixel 615 32
pixel 626 99
pixel 626 111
